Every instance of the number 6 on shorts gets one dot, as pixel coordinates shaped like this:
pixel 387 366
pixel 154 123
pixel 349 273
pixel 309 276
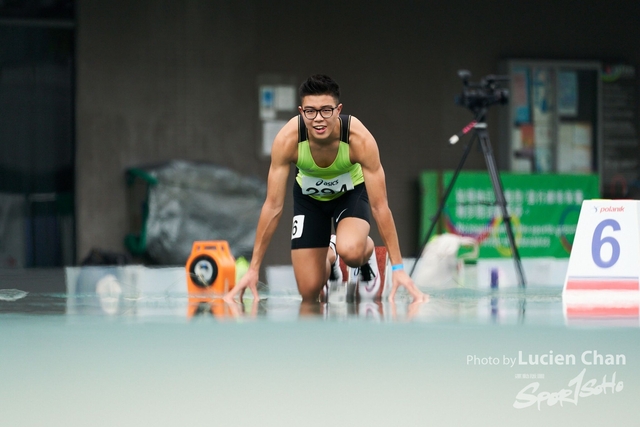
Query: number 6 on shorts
pixel 297 227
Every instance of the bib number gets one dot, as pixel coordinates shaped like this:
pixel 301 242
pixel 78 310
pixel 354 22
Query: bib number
pixel 326 187
pixel 297 227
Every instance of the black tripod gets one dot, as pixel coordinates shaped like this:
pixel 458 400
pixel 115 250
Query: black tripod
pixel 479 125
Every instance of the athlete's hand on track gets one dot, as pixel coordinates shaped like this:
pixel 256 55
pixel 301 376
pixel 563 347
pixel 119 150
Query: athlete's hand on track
pixel 401 278
pixel 249 280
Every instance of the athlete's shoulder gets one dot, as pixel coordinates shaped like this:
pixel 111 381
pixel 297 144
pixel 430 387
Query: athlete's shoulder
pixel 286 140
pixel 358 132
pixel 362 144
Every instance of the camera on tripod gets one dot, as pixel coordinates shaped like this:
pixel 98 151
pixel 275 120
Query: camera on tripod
pixel 487 92
pixel 478 97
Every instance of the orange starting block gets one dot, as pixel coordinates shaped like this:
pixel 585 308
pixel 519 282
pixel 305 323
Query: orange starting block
pixel 211 269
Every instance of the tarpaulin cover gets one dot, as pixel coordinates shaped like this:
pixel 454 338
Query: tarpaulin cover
pixel 199 201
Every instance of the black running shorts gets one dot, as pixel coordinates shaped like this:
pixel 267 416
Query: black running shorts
pixel 312 218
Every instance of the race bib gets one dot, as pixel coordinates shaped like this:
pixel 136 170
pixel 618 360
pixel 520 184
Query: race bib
pixel 297 227
pixel 326 187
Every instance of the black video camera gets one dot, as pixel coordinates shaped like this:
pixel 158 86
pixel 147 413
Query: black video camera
pixel 476 96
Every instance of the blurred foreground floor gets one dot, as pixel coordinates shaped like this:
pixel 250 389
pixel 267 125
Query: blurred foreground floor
pixel 135 350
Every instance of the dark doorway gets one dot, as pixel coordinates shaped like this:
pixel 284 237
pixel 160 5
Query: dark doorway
pixel 37 134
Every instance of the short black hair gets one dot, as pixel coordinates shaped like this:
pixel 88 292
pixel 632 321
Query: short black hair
pixel 319 84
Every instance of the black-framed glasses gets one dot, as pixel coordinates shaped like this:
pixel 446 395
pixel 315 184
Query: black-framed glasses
pixel 311 113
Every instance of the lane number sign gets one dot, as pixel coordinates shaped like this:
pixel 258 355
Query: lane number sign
pixel 606 249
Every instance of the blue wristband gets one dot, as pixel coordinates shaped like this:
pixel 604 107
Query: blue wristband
pixel 397 267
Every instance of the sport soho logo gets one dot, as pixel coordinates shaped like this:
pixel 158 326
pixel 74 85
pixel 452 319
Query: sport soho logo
pixel 578 388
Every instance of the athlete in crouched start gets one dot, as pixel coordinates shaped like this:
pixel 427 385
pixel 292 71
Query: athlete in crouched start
pixel 339 182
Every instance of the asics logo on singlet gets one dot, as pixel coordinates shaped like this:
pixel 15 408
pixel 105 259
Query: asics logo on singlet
pixel 327 183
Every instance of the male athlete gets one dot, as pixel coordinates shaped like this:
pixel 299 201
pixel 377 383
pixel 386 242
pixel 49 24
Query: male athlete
pixel 339 179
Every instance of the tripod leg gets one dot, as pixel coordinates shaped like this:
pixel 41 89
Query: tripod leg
pixel 445 196
pixel 500 199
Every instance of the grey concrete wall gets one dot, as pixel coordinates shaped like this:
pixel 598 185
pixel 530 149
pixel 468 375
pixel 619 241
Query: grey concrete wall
pixel 161 80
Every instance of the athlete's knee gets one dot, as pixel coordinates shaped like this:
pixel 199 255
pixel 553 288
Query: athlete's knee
pixel 310 289
pixel 310 295
pixel 355 253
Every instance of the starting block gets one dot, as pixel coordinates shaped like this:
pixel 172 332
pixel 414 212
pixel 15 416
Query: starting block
pixel 211 269
pixel 603 275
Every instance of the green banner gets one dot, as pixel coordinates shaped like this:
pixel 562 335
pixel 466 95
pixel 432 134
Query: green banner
pixel 544 210
pixel 429 197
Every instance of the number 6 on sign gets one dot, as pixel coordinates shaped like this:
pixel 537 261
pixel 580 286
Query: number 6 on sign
pixel 598 241
pixel 606 248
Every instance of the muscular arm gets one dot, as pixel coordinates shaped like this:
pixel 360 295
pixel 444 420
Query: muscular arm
pixel 284 151
pixel 364 150
pixel 271 211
